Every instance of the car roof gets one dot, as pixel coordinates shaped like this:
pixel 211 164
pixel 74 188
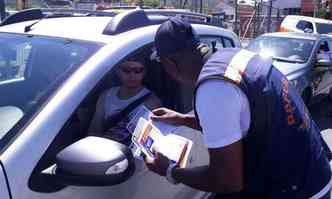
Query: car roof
pixel 88 28
pixel 83 28
pixel 312 19
pixel 298 35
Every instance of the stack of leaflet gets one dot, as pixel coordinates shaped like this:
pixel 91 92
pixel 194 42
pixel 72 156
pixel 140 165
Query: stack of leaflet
pixel 149 136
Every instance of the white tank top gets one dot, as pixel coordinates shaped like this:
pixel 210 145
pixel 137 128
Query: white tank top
pixel 113 104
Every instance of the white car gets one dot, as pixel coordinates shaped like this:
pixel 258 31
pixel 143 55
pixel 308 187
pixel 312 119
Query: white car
pixel 52 70
pixel 296 23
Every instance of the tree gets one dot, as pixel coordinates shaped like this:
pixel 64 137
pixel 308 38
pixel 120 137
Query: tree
pixel 322 13
pixel 317 6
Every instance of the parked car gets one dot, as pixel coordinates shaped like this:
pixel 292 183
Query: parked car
pixel 62 64
pixel 304 58
pixel 57 3
pixel 296 23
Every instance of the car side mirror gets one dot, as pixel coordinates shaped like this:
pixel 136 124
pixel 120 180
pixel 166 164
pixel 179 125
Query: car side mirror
pixel 93 161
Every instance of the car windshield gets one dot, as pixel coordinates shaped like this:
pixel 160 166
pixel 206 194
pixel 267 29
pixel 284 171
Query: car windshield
pixel 31 69
pixel 283 48
pixel 324 28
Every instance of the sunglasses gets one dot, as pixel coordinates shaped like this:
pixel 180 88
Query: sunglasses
pixel 133 70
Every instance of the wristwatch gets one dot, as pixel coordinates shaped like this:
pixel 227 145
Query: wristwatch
pixel 169 176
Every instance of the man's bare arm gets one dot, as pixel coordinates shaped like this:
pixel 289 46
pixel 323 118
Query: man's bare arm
pixel 176 118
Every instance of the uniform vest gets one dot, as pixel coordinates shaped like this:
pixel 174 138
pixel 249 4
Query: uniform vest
pixel 284 153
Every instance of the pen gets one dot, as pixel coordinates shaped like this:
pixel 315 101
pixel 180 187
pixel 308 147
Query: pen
pixel 183 153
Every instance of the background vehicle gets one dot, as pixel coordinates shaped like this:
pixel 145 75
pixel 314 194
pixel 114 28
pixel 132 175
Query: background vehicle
pixel 57 3
pixel 59 66
pixel 85 4
pixel 296 23
pixel 297 55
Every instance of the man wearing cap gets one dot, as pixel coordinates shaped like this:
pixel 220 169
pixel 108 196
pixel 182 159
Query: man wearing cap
pixel 261 139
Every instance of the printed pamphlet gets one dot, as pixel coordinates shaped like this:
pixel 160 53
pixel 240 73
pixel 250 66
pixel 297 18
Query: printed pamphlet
pixel 149 136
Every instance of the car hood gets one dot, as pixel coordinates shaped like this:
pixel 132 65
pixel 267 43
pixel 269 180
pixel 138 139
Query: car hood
pixel 287 68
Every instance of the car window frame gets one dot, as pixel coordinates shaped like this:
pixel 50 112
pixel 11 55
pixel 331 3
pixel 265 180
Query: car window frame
pixel 97 89
pixel 306 23
pixel 221 38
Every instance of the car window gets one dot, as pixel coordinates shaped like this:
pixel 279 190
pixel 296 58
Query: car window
pixel 13 61
pixel 209 40
pixel 324 47
pixel 303 25
pixel 324 50
pixel 31 68
pixel 220 42
pixel 324 28
pixel 153 78
pixel 329 42
pixel 228 43
pixel 283 48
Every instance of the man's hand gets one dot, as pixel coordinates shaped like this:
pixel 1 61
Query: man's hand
pixel 168 116
pixel 159 164
pixel 175 118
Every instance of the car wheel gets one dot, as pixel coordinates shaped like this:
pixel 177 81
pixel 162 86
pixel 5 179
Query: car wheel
pixel 306 96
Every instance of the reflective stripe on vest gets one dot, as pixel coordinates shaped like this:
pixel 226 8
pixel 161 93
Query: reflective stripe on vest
pixel 238 65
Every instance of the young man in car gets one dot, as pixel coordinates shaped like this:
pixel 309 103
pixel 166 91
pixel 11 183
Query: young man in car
pixel 261 139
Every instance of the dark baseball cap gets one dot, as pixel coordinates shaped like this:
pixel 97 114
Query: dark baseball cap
pixel 173 35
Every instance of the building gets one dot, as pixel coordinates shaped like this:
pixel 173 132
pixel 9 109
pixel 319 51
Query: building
pixel 253 15
pixel 259 17
pixel 227 7
pixel 288 7
pixel 307 7
pixel 246 14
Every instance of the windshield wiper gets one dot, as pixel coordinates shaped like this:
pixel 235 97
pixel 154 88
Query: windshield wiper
pixel 283 59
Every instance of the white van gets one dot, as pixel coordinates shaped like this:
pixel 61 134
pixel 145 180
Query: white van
pixel 296 23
